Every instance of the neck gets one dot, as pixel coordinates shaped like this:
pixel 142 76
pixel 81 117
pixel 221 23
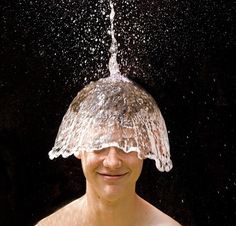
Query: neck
pixel 111 212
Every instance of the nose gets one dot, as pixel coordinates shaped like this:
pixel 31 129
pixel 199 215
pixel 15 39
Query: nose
pixel 112 159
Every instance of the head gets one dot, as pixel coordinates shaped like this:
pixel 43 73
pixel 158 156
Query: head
pixel 114 112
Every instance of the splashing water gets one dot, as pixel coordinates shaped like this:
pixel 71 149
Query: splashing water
pixel 113 65
pixel 114 111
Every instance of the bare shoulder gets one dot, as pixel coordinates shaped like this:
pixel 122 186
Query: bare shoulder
pixel 162 219
pixel 156 217
pixel 64 216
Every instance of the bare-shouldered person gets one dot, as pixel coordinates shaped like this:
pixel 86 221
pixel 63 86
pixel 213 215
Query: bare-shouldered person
pixel 110 197
pixel 112 125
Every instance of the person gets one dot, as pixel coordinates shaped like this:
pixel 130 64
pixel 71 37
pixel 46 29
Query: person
pixel 112 126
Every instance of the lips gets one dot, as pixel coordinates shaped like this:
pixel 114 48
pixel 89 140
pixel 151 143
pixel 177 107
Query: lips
pixel 112 175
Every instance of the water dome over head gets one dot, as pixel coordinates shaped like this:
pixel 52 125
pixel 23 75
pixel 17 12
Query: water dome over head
pixel 114 111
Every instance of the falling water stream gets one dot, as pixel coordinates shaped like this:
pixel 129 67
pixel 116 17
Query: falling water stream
pixel 113 64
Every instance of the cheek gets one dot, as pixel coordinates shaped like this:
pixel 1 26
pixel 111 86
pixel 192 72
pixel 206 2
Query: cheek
pixel 139 165
pixel 89 162
pixel 136 165
pixel 135 161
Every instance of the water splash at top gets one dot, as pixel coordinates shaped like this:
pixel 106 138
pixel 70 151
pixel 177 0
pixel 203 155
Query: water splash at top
pixel 114 112
pixel 113 64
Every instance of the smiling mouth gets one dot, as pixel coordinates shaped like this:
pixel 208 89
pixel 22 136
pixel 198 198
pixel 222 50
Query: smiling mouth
pixel 112 175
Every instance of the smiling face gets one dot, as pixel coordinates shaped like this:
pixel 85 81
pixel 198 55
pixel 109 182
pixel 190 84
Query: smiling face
pixel 111 173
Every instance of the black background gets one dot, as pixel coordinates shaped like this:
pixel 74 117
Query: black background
pixel 182 52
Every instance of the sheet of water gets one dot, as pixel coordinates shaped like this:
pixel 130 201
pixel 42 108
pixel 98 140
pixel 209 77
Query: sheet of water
pixel 114 111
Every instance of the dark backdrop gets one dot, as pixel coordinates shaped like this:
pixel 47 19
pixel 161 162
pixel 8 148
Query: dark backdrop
pixel 182 52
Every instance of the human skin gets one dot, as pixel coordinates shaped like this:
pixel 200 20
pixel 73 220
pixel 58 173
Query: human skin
pixel 111 174
pixel 110 197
